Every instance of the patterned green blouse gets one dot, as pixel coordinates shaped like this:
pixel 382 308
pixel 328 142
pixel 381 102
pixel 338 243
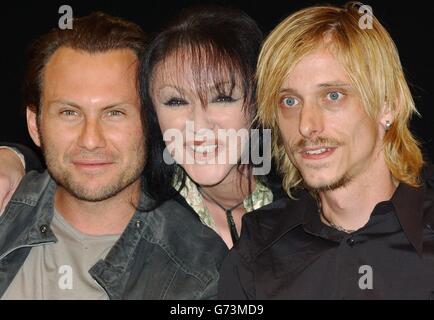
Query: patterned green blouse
pixel 260 197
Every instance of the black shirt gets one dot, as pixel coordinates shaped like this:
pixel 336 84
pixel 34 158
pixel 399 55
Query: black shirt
pixel 287 252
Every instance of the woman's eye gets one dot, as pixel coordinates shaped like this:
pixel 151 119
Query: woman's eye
pixel 223 99
pixel 334 95
pixel 175 102
pixel 289 102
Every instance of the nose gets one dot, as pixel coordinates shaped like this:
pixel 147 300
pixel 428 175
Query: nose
pixel 91 135
pixel 201 118
pixel 311 121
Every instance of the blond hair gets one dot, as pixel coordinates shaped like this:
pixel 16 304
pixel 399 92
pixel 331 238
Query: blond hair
pixel 371 60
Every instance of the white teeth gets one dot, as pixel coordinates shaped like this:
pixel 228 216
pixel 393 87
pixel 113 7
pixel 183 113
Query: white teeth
pixel 204 148
pixel 317 151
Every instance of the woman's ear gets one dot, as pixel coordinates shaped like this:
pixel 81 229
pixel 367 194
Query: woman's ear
pixel 32 124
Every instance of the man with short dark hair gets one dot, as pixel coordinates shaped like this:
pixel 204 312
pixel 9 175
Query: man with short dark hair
pixel 84 111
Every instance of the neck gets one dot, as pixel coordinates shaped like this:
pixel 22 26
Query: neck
pixel 232 189
pixel 350 207
pixel 105 217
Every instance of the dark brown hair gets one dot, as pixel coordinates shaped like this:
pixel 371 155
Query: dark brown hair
pixel 224 42
pixel 97 32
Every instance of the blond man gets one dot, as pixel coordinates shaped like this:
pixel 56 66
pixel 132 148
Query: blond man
pixel 359 219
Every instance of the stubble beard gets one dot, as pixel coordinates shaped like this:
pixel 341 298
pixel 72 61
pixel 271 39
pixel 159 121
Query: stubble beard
pixel 118 183
pixel 337 183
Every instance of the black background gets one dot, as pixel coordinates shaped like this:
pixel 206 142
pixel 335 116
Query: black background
pixel 411 25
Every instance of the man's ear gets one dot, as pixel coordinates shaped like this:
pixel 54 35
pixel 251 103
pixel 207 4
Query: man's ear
pixel 32 124
pixel 386 115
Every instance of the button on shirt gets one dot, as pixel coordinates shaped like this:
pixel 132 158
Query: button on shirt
pixel 287 252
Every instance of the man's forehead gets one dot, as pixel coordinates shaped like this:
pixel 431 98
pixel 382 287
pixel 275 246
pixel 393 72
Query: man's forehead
pixel 70 56
pixel 70 66
pixel 320 69
pixel 75 71
pixel 74 67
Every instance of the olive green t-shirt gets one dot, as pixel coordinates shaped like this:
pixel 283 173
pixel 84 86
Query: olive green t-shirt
pixel 61 270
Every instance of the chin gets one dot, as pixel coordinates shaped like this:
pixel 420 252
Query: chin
pixel 321 184
pixel 207 175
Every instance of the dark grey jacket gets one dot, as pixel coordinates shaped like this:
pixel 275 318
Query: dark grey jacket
pixel 166 253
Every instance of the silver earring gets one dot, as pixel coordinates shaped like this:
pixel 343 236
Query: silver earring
pixel 388 125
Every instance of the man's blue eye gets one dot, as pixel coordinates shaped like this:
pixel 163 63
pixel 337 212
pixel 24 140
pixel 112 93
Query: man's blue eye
pixel 289 102
pixel 334 95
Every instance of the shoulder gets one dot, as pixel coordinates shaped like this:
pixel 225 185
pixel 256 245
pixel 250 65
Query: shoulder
pixel 428 180
pixel 261 228
pixel 428 176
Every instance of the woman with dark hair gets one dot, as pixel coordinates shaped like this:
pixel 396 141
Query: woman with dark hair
pixel 197 77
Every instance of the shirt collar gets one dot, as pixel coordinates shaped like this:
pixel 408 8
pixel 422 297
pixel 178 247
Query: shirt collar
pixel 259 197
pixel 407 203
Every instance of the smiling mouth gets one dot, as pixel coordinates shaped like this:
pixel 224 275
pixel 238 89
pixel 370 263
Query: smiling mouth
pixel 317 153
pixel 92 165
pixel 204 149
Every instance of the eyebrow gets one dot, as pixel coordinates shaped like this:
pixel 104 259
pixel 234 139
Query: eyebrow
pixel 335 85
pixel 209 87
pixel 75 105
pixel 65 102
pixel 321 85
